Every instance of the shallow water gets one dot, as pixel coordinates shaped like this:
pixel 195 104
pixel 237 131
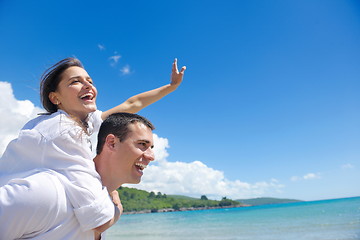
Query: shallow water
pixel 337 219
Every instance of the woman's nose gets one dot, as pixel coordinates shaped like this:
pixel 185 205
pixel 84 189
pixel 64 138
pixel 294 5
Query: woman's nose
pixel 87 85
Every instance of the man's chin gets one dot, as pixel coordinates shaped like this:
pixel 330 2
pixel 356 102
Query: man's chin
pixel 134 182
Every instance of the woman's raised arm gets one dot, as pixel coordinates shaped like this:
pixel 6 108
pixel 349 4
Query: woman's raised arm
pixel 142 100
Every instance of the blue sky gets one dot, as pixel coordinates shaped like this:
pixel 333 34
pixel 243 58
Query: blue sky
pixel 270 101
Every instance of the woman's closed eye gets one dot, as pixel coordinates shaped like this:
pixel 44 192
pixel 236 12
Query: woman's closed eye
pixel 89 80
pixel 77 80
pixel 74 81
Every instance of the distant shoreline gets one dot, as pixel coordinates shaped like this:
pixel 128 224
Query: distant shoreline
pixel 224 207
pixel 183 209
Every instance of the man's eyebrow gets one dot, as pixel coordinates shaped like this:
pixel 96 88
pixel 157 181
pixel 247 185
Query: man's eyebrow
pixel 146 141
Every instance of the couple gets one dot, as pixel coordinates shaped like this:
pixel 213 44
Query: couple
pixel 50 186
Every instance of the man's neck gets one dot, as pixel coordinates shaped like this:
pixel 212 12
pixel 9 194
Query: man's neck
pixel 105 175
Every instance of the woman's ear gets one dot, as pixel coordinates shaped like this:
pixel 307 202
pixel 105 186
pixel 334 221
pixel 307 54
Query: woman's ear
pixel 110 142
pixel 53 98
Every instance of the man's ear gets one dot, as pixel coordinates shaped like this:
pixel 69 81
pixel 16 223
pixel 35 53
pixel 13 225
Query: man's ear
pixel 53 98
pixel 110 142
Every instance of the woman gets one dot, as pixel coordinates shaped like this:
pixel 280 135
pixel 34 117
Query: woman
pixel 52 88
pixel 60 139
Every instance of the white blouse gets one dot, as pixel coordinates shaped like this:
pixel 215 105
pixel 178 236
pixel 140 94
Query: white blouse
pixel 56 142
pixel 37 207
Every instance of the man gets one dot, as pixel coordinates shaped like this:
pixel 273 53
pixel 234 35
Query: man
pixel 37 206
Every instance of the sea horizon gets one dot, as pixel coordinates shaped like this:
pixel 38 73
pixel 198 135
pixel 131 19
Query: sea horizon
pixel 326 219
pixel 224 207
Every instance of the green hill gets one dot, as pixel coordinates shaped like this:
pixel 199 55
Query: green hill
pixel 265 201
pixel 135 200
pixel 182 197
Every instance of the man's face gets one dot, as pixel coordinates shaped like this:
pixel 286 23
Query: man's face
pixel 133 154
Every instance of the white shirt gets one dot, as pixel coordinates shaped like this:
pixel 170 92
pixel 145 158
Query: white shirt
pixel 42 208
pixel 56 142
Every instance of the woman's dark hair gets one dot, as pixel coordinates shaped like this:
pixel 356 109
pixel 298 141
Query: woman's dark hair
pixel 50 81
pixel 118 124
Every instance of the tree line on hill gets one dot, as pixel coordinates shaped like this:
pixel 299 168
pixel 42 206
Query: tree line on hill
pixel 135 200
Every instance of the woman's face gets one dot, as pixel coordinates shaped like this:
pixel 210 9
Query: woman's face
pixel 75 93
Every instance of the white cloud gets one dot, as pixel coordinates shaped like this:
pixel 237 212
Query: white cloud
pixel 101 47
pixel 125 70
pixel 14 114
pixel 192 179
pixel 295 178
pixel 311 176
pixel 160 146
pixel 308 176
pixel 196 179
pixel 347 166
pixel 114 59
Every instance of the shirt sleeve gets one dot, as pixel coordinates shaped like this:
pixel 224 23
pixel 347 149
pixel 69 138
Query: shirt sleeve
pixel 68 154
pixel 29 206
pixel 95 121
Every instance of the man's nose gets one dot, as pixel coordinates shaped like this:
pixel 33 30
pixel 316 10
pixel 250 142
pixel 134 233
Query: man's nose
pixel 149 154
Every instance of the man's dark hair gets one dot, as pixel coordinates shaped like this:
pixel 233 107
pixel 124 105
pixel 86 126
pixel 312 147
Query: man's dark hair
pixel 117 124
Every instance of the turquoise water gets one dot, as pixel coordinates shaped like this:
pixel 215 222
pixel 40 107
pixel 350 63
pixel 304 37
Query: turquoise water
pixel 319 220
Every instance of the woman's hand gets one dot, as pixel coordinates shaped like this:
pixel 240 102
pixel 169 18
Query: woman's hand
pixel 142 100
pixel 116 200
pixel 176 76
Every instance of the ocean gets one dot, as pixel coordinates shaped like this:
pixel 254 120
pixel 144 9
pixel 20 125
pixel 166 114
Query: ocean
pixel 337 219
